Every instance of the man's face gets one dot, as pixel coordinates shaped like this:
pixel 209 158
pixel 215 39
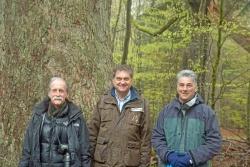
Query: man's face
pixel 58 93
pixel 186 89
pixel 122 82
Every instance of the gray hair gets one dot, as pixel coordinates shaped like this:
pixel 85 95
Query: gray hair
pixel 123 67
pixel 58 78
pixel 187 73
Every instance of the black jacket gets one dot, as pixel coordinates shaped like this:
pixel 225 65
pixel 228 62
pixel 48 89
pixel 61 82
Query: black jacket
pixel 78 137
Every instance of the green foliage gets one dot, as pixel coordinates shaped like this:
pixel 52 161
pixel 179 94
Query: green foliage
pixel 157 55
pixel 156 59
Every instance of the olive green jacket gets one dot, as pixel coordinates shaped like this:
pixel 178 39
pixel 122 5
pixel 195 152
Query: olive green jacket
pixel 120 138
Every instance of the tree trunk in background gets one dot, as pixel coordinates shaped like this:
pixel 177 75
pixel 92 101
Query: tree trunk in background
pixel 216 62
pixel 128 32
pixel 198 50
pixel 40 39
pixel 114 29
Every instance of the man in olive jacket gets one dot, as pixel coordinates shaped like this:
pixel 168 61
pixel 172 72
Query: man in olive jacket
pixel 120 128
pixel 57 135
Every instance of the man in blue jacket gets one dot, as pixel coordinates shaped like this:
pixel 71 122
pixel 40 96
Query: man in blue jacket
pixel 186 133
pixel 57 135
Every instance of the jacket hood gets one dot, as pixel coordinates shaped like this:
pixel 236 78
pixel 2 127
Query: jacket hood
pixel 178 104
pixel 42 107
pixel 133 90
pixel 110 95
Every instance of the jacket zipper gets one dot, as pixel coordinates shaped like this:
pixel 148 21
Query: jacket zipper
pixel 183 126
pixel 51 140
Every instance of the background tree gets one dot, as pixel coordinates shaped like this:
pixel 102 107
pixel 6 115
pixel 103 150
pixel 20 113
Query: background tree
pixel 171 35
pixel 128 32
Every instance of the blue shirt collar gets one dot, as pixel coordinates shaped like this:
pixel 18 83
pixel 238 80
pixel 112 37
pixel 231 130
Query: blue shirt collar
pixel 126 98
pixel 121 103
pixel 132 95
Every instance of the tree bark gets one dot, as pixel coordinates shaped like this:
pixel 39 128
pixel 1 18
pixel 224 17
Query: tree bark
pixel 66 38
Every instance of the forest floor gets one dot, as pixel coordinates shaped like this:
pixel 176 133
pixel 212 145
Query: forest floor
pixel 235 150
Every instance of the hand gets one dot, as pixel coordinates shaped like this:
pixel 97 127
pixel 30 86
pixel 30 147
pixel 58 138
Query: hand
pixel 184 160
pixel 179 159
pixel 171 158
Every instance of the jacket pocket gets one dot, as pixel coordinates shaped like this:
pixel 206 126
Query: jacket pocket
pixel 132 154
pixel 101 150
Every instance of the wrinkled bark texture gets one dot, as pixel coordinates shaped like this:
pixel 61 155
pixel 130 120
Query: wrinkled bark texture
pixel 41 39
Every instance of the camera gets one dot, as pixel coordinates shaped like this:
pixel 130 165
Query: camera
pixel 64 149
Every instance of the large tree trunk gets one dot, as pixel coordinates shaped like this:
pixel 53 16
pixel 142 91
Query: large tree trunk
pixel 44 38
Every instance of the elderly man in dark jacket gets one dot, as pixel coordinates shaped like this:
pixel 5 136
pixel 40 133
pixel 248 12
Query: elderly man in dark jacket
pixel 120 129
pixel 57 135
pixel 186 133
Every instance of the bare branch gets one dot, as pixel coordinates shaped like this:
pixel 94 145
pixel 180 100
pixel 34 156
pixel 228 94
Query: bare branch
pixel 161 30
